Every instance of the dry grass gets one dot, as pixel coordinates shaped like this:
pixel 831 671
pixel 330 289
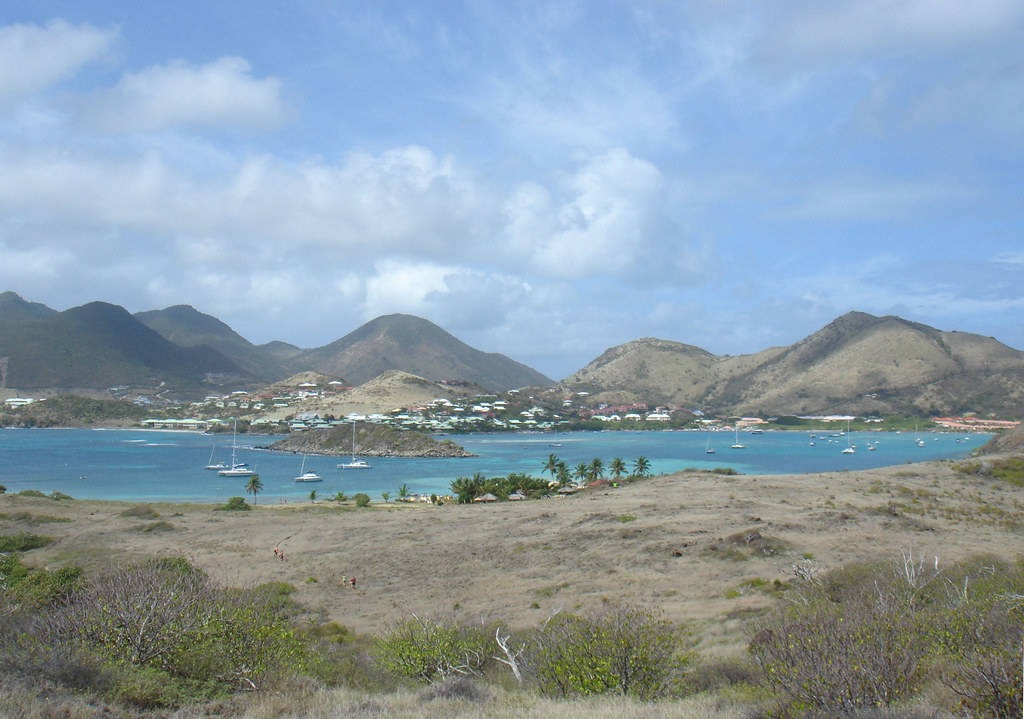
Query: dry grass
pixel 519 562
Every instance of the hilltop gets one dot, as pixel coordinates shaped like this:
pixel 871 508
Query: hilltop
pixel 857 363
pixel 416 346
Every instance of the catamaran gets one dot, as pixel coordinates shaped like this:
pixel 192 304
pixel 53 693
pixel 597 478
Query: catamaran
pixel 356 463
pixel 309 476
pixel 237 469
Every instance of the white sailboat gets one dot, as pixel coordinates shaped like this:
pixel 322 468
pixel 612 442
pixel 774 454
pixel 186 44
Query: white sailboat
pixel 355 463
pixel 736 439
pixel 309 476
pixel 708 449
pixel 237 469
pixel 850 449
pixel 214 466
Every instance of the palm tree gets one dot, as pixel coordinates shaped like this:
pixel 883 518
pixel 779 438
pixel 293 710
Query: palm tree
pixel 563 473
pixel 641 467
pixel 617 468
pixel 596 469
pixel 552 465
pixel 582 471
pixel 254 486
pixel 403 491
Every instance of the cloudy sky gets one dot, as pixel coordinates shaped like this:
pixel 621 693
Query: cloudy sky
pixel 544 180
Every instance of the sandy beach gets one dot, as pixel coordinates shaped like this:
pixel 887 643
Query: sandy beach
pixel 695 545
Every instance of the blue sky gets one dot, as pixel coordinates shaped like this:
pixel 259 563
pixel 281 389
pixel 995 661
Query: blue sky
pixel 544 180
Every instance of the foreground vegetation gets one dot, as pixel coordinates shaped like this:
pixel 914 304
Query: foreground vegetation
pixel 909 638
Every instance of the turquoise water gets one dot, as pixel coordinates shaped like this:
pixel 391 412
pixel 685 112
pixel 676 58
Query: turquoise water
pixel 148 465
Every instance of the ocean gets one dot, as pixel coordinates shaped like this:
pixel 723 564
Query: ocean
pixel 156 466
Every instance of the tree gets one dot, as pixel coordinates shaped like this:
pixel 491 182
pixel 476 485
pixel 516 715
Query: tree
pixel 551 465
pixel 582 471
pixel 564 476
pixel 385 496
pixel 596 469
pixel 362 499
pixel 641 467
pixel 618 468
pixel 403 491
pixel 312 496
pixel 254 486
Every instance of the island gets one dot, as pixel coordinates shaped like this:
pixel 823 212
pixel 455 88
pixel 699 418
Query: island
pixel 368 440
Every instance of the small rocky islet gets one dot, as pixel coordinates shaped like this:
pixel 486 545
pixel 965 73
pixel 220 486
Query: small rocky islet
pixel 371 440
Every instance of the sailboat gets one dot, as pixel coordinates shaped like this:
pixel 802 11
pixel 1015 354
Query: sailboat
pixel 736 439
pixel 237 469
pixel 355 463
pixel 215 466
pixel 309 476
pixel 850 449
pixel 708 449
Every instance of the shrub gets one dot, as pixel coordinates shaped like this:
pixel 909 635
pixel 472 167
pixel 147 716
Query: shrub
pixel 433 649
pixel 23 542
pixel 141 511
pixel 625 651
pixel 31 493
pixel 175 635
pixel 362 500
pixel 234 504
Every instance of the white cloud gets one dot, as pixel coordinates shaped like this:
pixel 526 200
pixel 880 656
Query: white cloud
pixel 34 57
pixel 222 93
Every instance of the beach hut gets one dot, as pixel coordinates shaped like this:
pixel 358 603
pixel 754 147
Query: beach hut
pixel 486 498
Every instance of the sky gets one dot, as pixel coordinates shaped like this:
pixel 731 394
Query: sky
pixel 541 179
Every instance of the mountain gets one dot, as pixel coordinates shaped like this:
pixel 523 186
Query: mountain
pixel 13 307
pixel 857 363
pixel 99 345
pixel 185 326
pixel 416 346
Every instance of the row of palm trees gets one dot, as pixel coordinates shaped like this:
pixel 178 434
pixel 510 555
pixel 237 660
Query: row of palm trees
pixel 595 470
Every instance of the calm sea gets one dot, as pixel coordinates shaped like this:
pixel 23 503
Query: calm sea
pixel 148 465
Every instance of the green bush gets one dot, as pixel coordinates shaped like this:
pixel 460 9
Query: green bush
pixel 234 504
pixel 871 635
pixel 23 542
pixel 432 649
pixel 623 650
pixel 176 635
pixel 362 500
pixel 32 493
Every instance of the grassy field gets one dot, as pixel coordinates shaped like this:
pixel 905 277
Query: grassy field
pixel 709 551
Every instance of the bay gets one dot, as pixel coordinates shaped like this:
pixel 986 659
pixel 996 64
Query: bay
pixel 152 465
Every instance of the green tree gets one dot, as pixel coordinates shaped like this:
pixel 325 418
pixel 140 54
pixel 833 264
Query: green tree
pixel 617 468
pixel 362 499
pixel 385 496
pixel 596 469
pixel 582 471
pixel 564 475
pixel 466 489
pixel 254 486
pixel 551 465
pixel 403 491
pixel 641 467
